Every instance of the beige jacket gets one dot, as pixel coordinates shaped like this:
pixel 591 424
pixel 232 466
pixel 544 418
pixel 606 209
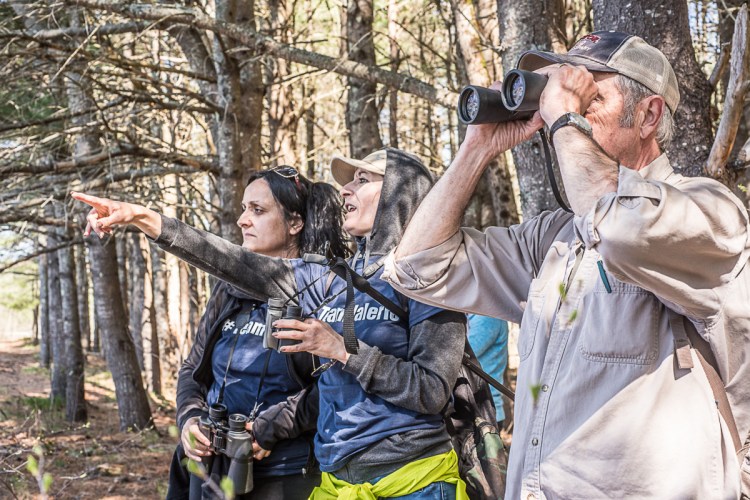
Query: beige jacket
pixel 613 415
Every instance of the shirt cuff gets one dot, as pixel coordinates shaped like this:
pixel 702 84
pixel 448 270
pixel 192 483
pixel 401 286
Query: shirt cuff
pixel 168 232
pixel 362 364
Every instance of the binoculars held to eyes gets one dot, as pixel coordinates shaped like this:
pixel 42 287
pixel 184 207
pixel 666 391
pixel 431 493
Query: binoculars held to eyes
pixel 229 437
pixel 517 100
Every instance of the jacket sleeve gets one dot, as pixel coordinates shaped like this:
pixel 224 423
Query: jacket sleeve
pixel 492 270
pixel 288 419
pixel 681 241
pixel 424 381
pixel 191 395
pixel 258 275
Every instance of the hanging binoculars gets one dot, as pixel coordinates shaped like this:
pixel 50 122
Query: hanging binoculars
pixel 517 100
pixel 229 437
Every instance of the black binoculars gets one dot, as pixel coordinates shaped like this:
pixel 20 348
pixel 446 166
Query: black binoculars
pixel 229 437
pixel 278 310
pixel 517 100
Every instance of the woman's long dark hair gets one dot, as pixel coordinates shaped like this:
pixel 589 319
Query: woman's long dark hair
pixel 318 204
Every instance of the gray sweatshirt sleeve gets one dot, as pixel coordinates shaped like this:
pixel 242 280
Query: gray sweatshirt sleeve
pixel 423 382
pixel 258 275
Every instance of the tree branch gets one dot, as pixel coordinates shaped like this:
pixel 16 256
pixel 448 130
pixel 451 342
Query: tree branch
pixel 261 43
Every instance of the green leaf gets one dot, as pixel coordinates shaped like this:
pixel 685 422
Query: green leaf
pixel 227 486
pixel 46 482
pixel 742 188
pixel 32 465
pixel 573 316
pixel 174 431
pixel 196 468
pixel 535 391
pixel 563 292
pixel 38 450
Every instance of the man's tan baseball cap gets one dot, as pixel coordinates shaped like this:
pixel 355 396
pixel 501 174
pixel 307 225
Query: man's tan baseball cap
pixel 342 168
pixel 615 52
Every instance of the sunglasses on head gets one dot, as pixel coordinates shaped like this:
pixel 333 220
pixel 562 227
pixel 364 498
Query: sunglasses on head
pixel 288 172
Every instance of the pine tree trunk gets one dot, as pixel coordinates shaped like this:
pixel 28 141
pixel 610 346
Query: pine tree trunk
pixel 166 344
pixel 156 309
pixel 361 105
pixel 240 87
pixel 122 272
pixel 73 360
pixel 44 313
pixel 137 283
pixel 665 26
pixel 57 339
pixel 82 287
pixel 132 401
pixel 523 26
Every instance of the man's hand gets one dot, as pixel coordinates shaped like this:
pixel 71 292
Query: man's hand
pixel 569 89
pixel 317 337
pixel 106 214
pixel 195 444
pixel 496 138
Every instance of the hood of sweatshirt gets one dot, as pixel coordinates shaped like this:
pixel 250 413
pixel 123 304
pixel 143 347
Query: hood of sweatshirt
pixel 405 184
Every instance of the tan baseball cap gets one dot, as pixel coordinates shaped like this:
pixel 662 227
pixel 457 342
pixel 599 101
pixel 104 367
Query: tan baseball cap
pixel 615 52
pixel 342 168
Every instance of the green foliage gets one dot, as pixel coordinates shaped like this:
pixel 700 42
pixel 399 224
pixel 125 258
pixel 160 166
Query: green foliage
pixel 742 188
pixel 563 291
pixel 24 103
pixel 16 290
pixel 535 389
pixel 227 486
pixel 173 431
pixel 43 404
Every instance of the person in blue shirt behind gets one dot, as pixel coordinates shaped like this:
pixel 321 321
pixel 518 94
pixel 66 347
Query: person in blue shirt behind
pixel 488 338
pixel 283 214
pixel 380 429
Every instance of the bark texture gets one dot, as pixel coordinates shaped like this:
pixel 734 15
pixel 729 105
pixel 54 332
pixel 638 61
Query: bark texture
pixel 361 105
pixel 132 401
pixel 523 26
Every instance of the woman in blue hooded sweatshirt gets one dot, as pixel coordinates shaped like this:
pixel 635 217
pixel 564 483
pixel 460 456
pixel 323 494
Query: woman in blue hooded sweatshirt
pixel 380 432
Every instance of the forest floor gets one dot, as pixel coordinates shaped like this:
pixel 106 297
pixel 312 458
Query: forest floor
pixel 93 460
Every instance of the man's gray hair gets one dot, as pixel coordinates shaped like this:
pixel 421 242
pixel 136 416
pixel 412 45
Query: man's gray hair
pixel 633 93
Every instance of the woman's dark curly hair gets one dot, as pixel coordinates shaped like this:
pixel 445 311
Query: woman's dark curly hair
pixel 318 204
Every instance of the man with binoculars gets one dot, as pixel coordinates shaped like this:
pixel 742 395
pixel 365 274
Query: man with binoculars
pixel 613 398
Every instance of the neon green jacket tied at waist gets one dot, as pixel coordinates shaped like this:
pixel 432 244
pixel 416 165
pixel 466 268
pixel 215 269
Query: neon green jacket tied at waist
pixel 404 481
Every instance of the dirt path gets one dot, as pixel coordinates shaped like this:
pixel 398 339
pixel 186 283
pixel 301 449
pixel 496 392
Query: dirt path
pixel 93 460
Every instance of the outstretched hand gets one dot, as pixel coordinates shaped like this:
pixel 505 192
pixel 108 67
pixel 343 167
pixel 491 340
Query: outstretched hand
pixel 106 214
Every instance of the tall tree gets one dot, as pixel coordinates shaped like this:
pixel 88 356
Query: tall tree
pixel 44 313
pixel 132 402
pixel 72 359
pixel 524 26
pixel 361 105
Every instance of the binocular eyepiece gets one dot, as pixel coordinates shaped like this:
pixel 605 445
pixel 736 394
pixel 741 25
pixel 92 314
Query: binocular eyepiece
pixel 517 100
pixel 229 437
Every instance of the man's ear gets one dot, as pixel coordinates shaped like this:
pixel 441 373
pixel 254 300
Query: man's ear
pixel 649 113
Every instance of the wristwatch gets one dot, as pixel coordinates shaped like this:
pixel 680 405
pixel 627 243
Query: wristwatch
pixel 573 119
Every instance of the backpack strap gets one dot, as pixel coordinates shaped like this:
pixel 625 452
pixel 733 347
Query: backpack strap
pixel 683 344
